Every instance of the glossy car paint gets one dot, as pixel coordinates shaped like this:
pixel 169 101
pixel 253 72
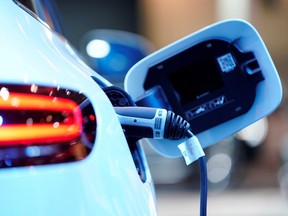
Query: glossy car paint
pixel 104 183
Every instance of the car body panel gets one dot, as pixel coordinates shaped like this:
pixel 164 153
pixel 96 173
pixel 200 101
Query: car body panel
pixel 106 182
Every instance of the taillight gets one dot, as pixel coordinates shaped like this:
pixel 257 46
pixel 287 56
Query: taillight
pixel 40 125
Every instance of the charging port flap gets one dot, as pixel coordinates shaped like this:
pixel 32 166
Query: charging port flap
pixel 220 79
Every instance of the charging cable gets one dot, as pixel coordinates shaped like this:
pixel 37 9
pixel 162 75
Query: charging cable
pixel 191 151
pixel 146 122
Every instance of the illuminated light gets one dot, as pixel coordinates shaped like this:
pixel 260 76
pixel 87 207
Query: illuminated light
pixel 15 102
pixel 30 132
pixel 92 117
pixel 68 120
pixel 49 118
pixel 37 102
pixel 46 127
pixel 36 133
pixel 34 88
pixel 29 121
pixel 98 48
pixel 4 93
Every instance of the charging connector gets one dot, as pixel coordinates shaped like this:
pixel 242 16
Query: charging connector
pixel 146 122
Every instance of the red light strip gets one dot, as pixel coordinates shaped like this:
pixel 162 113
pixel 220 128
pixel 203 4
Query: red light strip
pixel 23 134
pixel 21 101
pixel 40 132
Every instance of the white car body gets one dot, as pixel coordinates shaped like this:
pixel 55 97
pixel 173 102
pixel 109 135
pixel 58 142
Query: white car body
pixel 40 74
pixel 106 182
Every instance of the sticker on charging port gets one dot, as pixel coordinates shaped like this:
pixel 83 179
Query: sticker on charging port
pixel 226 62
pixel 191 150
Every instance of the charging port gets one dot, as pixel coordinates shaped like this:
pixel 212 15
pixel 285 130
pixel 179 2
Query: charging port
pixel 120 98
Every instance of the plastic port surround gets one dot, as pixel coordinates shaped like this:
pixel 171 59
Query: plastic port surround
pixel 208 83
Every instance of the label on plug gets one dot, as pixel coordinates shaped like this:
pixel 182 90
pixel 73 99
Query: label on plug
pixel 191 150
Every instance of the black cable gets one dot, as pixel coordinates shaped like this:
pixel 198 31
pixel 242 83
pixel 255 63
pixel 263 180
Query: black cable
pixel 203 186
pixel 203 181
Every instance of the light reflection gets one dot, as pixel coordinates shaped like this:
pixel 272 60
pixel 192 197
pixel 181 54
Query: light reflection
pixel 70 49
pixel 218 167
pixel 56 124
pixel 25 79
pixel 29 122
pixel 49 118
pixel 49 34
pixel 34 88
pixel 255 133
pixel 8 161
pixel 33 151
pixel 1 120
pixel 98 48
pixel 4 93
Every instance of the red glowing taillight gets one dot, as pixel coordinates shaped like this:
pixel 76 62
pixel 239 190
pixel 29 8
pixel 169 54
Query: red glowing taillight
pixel 44 129
pixel 44 125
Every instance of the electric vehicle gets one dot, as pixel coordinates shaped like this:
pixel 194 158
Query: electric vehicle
pixel 62 148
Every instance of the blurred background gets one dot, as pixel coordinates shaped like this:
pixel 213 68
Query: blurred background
pixel 248 172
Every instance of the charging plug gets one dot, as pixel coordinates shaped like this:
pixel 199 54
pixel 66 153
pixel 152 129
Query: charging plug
pixel 146 122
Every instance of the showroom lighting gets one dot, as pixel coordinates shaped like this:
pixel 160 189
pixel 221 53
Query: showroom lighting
pixel 255 133
pixel 98 48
